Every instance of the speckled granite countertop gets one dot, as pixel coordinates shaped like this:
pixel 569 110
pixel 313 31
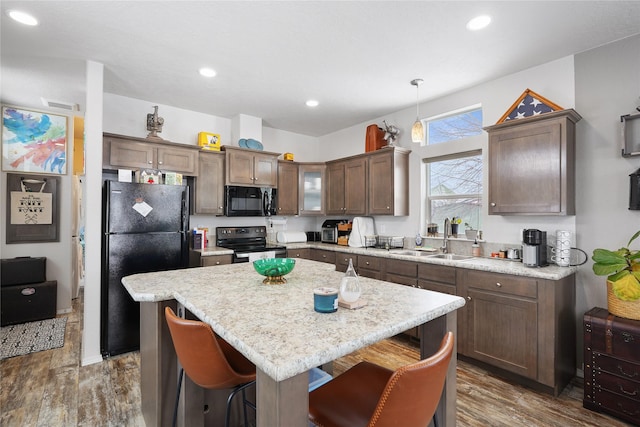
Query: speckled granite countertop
pixel 275 326
pixel 550 272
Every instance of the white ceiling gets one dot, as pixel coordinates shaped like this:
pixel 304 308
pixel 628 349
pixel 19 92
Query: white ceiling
pixel 355 57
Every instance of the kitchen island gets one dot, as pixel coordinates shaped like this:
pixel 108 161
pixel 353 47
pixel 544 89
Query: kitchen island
pixel 277 329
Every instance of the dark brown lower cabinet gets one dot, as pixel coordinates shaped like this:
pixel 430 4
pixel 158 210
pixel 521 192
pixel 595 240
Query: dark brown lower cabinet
pixel 520 325
pixel 612 365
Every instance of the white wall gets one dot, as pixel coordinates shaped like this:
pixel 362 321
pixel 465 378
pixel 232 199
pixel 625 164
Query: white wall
pixel 607 87
pixel 553 80
pixel 93 215
pixel 58 254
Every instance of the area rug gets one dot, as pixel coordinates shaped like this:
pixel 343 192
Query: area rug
pixel 25 338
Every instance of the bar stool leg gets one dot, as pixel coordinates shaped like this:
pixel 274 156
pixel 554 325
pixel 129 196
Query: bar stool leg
pixel 175 409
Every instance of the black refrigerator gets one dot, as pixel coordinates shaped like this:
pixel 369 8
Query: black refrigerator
pixel 145 229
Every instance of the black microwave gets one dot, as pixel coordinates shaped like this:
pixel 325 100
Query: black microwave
pixel 249 201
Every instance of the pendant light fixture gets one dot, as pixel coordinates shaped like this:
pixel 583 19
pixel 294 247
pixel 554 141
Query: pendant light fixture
pixel 417 131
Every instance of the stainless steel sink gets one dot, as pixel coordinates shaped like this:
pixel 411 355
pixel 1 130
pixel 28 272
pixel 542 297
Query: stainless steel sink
pixel 452 257
pixel 411 253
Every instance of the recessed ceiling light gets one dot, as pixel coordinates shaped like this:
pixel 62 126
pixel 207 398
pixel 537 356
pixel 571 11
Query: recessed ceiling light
pixel 22 17
pixel 312 103
pixel 479 22
pixel 207 72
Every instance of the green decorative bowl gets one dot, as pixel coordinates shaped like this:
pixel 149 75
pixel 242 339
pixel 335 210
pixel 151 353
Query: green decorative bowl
pixel 274 269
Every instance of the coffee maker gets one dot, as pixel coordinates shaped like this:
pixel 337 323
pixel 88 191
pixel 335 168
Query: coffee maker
pixel 534 248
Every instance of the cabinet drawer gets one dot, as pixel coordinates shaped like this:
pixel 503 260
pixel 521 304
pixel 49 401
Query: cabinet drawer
pixel 613 335
pixel 299 253
pixel 323 256
pixel 614 365
pixel 437 273
pixel 403 268
pixel 369 262
pixel 502 283
pixel 342 261
pixel 615 384
pixel 617 405
pixel 208 261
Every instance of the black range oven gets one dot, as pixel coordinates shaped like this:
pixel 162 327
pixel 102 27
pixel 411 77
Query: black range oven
pixel 248 243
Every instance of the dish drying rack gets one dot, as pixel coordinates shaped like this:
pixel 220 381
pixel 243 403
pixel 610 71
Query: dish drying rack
pixel 384 242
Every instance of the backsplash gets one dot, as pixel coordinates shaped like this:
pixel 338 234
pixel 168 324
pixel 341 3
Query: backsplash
pixel 461 246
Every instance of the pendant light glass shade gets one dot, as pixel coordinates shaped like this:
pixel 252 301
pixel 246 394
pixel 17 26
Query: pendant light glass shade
pixel 417 131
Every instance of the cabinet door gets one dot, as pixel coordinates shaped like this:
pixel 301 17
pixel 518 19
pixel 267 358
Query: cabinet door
pixel 287 188
pixel 176 159
pixel 312 178
pixel 131 154
pixel 209 184
pixel 335 188
pixel 502 331
pixel 355 190
pixel 531 165
pixel 381 184
pixel 239 168
pixel 499 323
pixel 389 182
pixel 265 170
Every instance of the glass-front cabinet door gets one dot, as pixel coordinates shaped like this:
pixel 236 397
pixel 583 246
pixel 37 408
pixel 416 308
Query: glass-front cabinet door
pixel 311 188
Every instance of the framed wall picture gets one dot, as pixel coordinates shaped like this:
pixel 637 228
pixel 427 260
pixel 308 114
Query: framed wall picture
pixel 32 208
pixel 34 141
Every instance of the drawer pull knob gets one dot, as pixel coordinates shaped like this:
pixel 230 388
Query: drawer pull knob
pixel 498 284
pixel 632 375
pixel 468 298
pixel 628 393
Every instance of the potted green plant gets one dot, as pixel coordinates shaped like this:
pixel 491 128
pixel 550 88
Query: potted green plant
pixel 622 268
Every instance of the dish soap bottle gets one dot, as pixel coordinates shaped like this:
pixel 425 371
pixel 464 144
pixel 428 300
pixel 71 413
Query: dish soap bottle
pixel 418 240
pixel 350 285
pixel 475 248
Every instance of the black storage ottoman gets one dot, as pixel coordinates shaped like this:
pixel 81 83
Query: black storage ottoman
pixel 26 294
pixel 27 303
pixel 23 270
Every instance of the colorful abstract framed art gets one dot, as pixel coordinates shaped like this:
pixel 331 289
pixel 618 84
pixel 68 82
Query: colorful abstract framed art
pixel 34 141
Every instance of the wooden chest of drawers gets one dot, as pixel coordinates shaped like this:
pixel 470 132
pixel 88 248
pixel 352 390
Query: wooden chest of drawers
pixel 612 365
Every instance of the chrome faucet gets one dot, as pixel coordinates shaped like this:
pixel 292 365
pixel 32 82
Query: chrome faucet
pixel 446 233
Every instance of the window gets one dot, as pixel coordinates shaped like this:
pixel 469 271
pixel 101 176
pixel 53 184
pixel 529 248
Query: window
pixel 454 126
pixel 454 175
pixel 455 189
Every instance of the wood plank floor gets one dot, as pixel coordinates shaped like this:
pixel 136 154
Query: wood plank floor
pixel 50 388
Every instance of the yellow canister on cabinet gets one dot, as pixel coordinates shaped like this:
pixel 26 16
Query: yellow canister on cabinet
pixel 209 141
pixel 288 156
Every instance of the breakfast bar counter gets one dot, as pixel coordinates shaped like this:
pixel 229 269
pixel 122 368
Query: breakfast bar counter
pixel 276 328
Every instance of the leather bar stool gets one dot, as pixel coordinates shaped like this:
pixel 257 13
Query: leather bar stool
pixel 370 395
pixel 209 361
